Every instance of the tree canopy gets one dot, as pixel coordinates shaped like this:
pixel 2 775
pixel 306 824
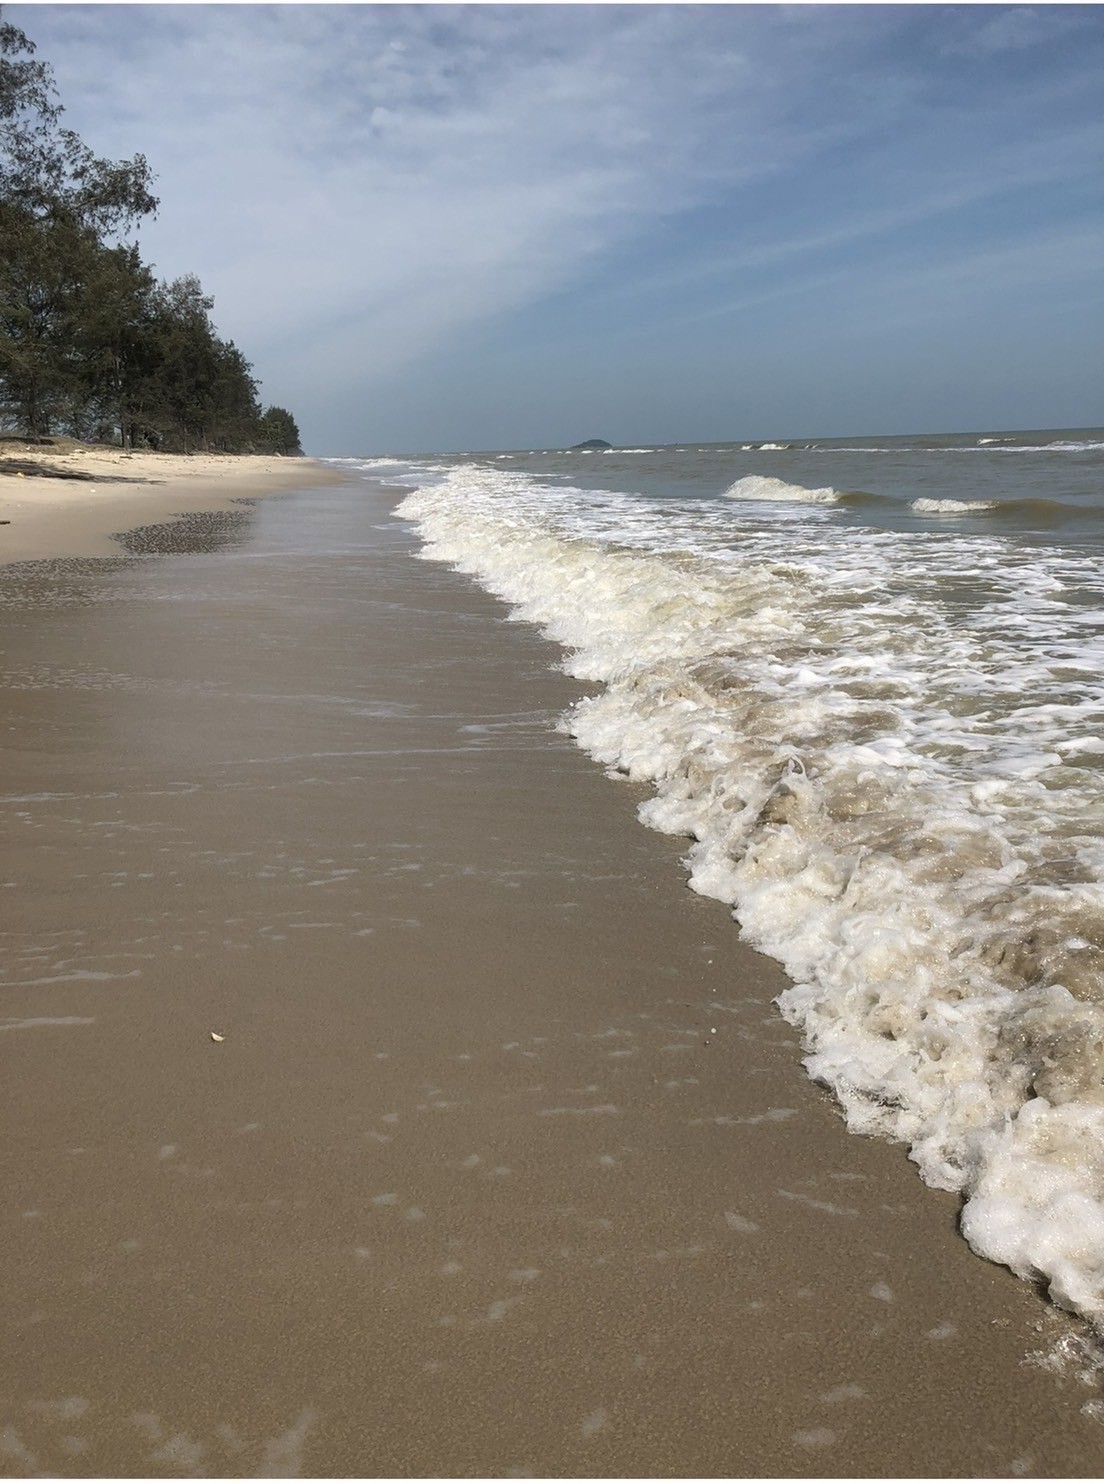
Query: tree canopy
pixel 91 343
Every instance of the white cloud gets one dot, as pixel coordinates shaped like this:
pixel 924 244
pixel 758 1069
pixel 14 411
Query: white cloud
pixel 360 186
pixel 354 184
pixel 313 153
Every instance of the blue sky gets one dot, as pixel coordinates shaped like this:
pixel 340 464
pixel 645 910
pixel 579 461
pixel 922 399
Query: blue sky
pixel 514 226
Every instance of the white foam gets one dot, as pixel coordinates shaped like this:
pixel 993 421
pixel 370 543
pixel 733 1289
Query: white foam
pixel 872 743
pixel 32 1022
pixel 983 445
pixel 951 507
pixel 766 487
pixel 368 463
pixel 396 471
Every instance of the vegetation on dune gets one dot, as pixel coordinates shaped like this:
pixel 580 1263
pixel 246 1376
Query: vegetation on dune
pixel 92 345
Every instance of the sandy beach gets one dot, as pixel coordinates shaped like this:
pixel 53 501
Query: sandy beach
pixel 47 516
pixel 503 1163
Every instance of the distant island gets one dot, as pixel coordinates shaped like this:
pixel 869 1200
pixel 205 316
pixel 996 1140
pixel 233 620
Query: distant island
pixel 589 446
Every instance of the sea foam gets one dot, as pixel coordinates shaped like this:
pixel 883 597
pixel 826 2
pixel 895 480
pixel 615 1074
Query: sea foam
pixel 886 757
pixel 951 507
pixel 765 487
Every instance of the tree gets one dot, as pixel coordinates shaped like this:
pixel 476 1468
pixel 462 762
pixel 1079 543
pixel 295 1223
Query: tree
pixel 45 169
pixel 279 433
pixel 112 342
pixel 192 389
pixel 47 314
pixel 89 342
pixel 27 94
pixel 58 204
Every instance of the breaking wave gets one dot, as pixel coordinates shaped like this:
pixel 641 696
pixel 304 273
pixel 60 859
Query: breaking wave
pixel 888 754
pixel 765 487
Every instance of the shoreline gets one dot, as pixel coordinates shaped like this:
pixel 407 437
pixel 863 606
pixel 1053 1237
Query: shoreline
pixel 52 518
pixel 506 1162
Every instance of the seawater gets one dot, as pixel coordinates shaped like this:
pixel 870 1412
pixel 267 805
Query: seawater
pixel 865 679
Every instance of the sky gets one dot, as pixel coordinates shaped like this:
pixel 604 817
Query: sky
pixel 459 227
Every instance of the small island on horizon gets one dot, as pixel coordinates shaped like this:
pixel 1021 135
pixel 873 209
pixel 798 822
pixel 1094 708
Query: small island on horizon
pixel 589 446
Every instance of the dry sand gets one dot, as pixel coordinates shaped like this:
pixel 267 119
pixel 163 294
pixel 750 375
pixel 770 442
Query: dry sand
pixel 60 517
pixel 506 1164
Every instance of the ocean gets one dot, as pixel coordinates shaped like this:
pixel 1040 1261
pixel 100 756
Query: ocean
pixel 864 679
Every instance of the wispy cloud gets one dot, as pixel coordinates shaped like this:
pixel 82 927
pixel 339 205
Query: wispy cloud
pixel 363 186
pixel 1015 28
pixel 398 172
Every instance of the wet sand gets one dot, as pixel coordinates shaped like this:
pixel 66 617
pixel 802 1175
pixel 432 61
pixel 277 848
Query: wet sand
pixel 505 1163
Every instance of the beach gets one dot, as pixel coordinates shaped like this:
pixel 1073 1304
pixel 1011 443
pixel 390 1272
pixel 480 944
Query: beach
pixel 379 1102
pixel 98 492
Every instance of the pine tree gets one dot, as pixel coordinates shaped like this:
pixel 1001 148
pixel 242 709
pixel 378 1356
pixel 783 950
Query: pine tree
pixel 279 433
pixel 89 342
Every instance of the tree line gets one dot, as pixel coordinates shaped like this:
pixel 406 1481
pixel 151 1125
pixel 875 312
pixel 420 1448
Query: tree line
pixel 92 345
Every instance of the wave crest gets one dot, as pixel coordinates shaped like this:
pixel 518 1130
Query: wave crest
pixel 766 487
pixel 951 507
